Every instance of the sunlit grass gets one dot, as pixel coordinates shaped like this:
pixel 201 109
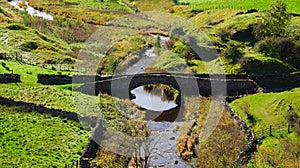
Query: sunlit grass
pixel 267 108
pixel 293 5
pixel 53 97
pixel 29 139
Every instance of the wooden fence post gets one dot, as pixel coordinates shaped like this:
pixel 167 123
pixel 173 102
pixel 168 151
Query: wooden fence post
pixel 270 130
pixel 289 128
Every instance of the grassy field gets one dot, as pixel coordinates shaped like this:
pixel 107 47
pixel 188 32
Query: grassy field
pixel 28 72
pixel 88 11
pixel 34 46
pixel 60 97
pixel 277 151
pixel 114 5
pixel 267 108
pixel 293 5
pixel 35 140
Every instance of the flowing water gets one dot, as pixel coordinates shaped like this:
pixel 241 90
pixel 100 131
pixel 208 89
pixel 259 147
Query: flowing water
pixel 30 10
pixel 163 133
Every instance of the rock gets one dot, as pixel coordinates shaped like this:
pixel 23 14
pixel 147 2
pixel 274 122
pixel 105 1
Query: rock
pixel 176 162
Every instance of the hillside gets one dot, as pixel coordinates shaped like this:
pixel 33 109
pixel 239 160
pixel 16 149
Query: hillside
pixel 237 4
pixel 265 109
pixel 210 37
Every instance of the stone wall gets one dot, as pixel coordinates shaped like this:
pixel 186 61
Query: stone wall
pixel 236 84
pixel 246 154
pixel 49 79
pixel 53 112
pixel 271 83
pixel 9 78
pixel 92 147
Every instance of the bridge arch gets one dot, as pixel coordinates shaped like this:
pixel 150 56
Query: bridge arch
pixel 139 80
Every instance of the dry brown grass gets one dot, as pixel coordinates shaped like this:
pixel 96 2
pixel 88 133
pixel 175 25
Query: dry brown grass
pixel 154 5
pixel 223 145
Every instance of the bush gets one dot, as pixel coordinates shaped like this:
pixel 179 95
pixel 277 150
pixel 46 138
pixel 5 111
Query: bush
pixel 184 51
pixel 267 47
pixel 284 49
pixel 293 120
pixel 232 53
pixel 224 35
pixel 274 21
pixel 68 61
pixel 15 27
pixel 29 46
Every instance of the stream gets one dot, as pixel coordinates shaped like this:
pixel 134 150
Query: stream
pixel 30 10
pixel 163 133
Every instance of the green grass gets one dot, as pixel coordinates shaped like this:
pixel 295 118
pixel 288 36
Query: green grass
pixel 28 72
pixel 214 66
pixel 107 5
pixel 122 49
pixel 29 139
pixel 60 97
pixel 34 46
pixel 259 64
pixel 89 11
pixel 256 64
pixel 267 108
pixel 213 16
pixel 119 117
pixel 170 61
pixel 277 151
pixel 293 5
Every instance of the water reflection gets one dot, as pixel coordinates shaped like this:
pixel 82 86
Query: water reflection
pixel 152 99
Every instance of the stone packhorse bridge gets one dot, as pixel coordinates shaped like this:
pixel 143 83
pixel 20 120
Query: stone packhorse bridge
pixel 188 84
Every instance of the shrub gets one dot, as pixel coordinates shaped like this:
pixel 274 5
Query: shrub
pixel 274 21
pixel 267 47
pixel 68 61
pixel 169 44
pixel 184 51
pixel 284 49
pixel 157 42
pixel 224 35
pixel 232 53
pixel 15 27
pixel 27 20
pixel 293 120
pixel 29 46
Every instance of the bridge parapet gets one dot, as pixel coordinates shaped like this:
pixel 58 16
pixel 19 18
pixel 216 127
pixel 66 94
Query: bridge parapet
pixel 187 84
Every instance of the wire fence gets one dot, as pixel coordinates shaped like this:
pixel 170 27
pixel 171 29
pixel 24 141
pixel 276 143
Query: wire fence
pixel 22 59
pixel 75 164
pixel 273 129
